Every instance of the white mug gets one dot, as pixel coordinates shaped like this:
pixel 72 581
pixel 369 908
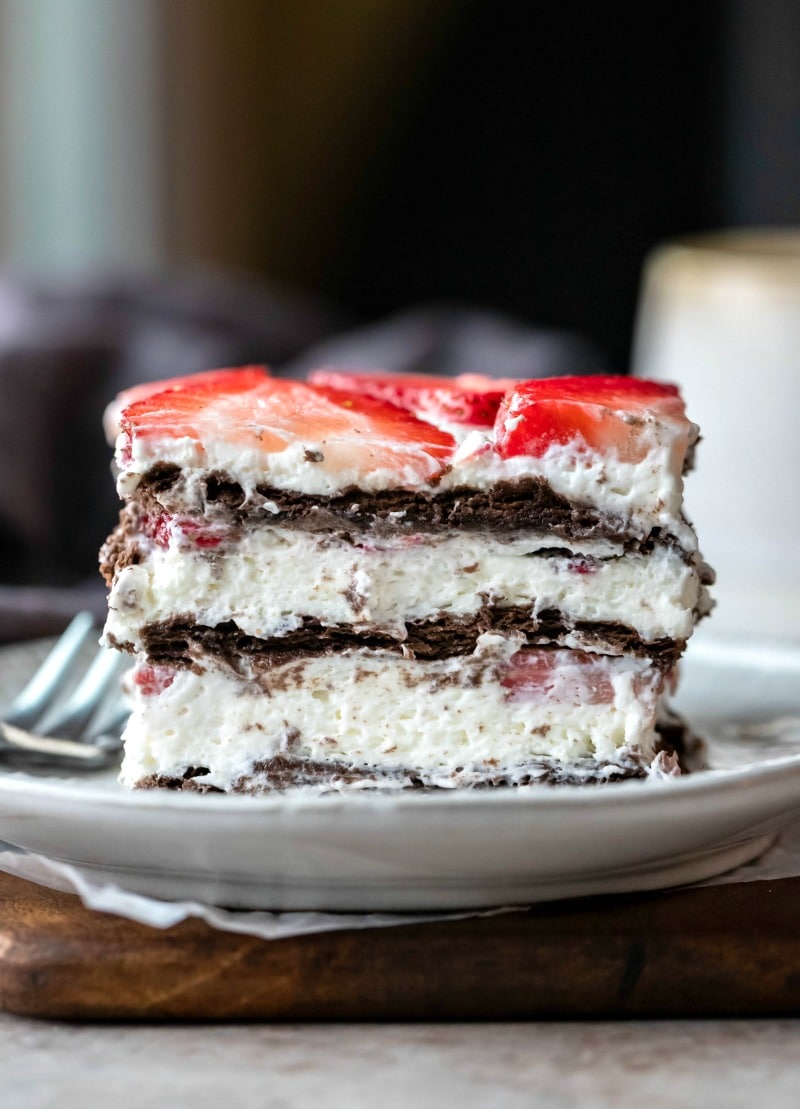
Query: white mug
pixel 719 315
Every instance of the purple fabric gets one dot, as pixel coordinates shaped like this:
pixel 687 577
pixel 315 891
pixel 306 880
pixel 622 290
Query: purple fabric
pixel 67 348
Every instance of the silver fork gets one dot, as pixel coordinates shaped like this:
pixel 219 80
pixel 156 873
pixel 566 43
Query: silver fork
pixel 43 729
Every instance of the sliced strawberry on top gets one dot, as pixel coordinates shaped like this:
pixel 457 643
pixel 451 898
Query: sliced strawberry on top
pixel 471 400
pixel 604 413
pixel 249 410
pixel 379 434
pixel 236 377
pixel 191 382
pixel 168 405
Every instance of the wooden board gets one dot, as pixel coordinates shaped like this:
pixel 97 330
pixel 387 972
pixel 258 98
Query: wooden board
pixel 727 950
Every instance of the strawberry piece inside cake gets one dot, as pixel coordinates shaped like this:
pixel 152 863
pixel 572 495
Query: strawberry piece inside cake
pixel 391 581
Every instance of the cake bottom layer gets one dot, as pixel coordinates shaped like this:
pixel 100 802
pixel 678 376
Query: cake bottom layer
pixel 506 714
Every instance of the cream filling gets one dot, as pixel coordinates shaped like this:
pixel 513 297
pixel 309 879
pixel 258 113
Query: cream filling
pixel 648 493
pixel 453 721
pixel 272 577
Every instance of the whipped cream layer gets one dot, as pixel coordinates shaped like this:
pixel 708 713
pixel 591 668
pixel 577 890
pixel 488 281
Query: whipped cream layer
pixel 270 578
pixel 449 723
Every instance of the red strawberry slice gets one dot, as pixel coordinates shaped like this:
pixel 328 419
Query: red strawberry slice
pixel 147 389
pixel 164 406
pixel 248 409
pixel 162 527
pixel 152 679
pixel 570 678
pixel 601 413
pixel 377 432
pixel 471 400
pixel 205 380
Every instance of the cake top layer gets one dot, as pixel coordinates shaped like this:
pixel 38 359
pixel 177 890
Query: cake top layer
pixel 617 442
pixel 278 426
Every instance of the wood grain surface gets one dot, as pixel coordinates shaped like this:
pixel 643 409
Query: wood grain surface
pixel 726 950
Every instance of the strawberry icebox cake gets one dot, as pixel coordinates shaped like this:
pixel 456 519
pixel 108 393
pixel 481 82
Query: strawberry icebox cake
pixel 381 581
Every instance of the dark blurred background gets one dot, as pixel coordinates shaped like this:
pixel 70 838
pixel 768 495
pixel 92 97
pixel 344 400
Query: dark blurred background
pixel 386 152
pixel 190 182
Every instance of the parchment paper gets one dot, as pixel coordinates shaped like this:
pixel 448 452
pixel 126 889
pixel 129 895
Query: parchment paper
pixel 782 860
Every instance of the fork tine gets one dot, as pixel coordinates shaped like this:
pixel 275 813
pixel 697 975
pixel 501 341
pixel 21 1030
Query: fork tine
pixel 73 717
pixel 24 749
pixel 38 694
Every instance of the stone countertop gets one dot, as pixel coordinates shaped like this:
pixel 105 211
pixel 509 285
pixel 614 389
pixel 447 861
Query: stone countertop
pixel 658 1064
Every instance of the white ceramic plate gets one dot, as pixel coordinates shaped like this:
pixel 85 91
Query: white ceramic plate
pixel 412 851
